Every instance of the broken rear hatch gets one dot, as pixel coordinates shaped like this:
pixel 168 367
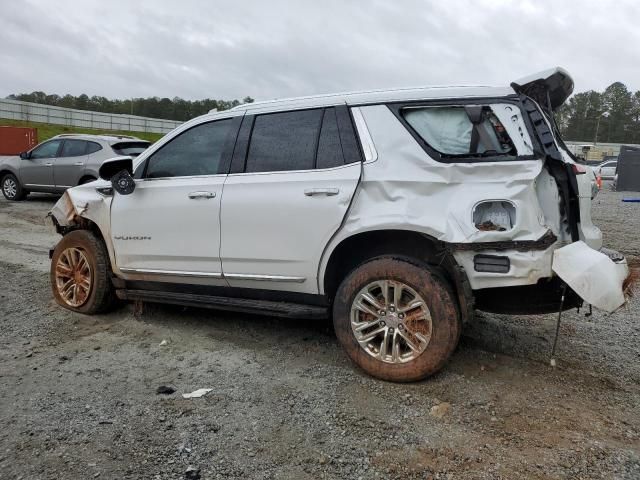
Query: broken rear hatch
pixel 596 276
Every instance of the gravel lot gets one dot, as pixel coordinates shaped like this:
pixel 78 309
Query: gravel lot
pixel 78 397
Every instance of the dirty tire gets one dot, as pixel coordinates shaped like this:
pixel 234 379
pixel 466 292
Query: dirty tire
pixel 101 297
pixel 11 188
pixel 437 293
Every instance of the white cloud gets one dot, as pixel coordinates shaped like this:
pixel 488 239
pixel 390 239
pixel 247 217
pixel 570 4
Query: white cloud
pixel 230 49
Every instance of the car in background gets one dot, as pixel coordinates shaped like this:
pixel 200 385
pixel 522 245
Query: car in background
pixel 62 162
pixel 607 169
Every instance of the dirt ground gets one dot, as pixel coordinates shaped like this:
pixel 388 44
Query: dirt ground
pixel 78 397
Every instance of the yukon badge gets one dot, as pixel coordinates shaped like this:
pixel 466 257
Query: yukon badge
pixel 131 237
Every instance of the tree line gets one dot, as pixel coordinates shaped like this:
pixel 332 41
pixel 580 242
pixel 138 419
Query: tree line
pixel 609 116
pixel 153 107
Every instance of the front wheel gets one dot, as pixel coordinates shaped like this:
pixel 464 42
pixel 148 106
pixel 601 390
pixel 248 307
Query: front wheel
pixel 11 188
pixel 397 319
pixel 80 273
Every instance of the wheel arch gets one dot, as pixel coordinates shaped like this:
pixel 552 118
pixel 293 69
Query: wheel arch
pixel 362 246
pixel 85 177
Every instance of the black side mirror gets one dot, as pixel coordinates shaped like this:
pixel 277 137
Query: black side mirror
pixel 25 155
pixel 123 183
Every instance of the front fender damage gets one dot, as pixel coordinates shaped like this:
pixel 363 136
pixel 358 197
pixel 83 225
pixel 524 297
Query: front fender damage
pixel 78 206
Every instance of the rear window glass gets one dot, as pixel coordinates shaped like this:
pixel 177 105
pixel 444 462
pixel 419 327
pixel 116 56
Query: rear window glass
pixel 284 141
pixel 458 131
pixel 93 147
pixel 132 149
pixel 73 148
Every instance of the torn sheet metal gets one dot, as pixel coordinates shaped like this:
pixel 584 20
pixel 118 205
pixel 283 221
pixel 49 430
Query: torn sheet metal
pixel 592 275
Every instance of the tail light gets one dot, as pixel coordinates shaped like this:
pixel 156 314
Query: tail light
pixel 579 169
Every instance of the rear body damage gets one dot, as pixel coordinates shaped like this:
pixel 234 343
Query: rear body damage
pixel 471 184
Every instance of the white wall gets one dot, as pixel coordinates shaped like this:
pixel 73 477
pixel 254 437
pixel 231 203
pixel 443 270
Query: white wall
pixel 35 112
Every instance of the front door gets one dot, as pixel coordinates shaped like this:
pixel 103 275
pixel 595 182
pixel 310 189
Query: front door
pixel 297 174
pixel 169 227
pixel 37 170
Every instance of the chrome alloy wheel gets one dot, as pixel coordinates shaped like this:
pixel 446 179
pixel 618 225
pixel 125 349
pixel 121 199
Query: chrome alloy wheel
pixel 391 321
pixel 10 187
pixel 73 277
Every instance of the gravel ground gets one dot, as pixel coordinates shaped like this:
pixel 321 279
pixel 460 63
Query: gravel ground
pixel 79 393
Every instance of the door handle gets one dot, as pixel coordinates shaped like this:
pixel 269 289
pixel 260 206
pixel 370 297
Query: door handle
pixel 48 164
pixel 329 192
pixel 78 164
pixel 193 195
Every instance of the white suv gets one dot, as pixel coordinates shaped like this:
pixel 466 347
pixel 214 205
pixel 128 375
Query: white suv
pixel 396 212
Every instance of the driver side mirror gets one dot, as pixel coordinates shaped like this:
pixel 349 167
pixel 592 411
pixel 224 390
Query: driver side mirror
pixel 25 155
pixel 119 172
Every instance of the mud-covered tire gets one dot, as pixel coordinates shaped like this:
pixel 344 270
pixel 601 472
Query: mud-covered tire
pixel 437 293
pixel 11 188
pixel 101 295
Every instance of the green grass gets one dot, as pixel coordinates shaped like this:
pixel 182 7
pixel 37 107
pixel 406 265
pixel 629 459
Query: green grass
pixel 48 130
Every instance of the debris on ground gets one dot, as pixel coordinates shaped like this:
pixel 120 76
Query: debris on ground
pixel 192 473
pixel 440 410
pixel 164 343
pixel 197 393
pixel 165 390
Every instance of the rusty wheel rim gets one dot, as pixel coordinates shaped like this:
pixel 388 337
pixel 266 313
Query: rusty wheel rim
pixel 391 321
pixel 73 277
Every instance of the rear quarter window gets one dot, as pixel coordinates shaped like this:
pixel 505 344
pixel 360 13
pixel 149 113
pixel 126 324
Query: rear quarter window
pixel 461 131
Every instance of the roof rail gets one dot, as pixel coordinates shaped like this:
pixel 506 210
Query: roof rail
pixel 117 135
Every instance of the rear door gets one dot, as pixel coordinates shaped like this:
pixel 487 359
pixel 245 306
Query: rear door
pixel 293 176
pixel 169 227
pixel 69 166
pixel 37 170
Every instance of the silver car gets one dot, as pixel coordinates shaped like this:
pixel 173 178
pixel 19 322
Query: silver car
pixel 62 162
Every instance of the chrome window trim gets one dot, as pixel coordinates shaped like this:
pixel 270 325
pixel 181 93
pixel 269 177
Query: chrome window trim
pixel 368 147
pixel 187 177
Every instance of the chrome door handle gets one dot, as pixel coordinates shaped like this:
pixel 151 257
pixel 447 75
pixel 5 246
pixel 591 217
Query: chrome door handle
pixel 78 164
pixel 329 192
pixel 48 164
pixel 202 194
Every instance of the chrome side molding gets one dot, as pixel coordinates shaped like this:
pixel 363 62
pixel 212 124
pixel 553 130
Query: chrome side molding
pixel 230 276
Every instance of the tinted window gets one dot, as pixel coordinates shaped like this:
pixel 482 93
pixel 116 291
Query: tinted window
pixel 284 141
pixel 195 152
pixel 450 131
pixel 329 148
pixel 73 148
pixel 132 149
pixel 46 150
pixel 93 147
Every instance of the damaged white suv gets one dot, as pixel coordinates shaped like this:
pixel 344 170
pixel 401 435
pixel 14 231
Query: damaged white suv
pixel 395 212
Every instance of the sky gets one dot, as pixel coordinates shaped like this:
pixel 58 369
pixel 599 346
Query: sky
pixel 198 49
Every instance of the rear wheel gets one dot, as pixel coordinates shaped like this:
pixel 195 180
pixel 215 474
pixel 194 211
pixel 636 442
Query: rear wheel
pixel 80 273
pixel 11 188
pixel 397 319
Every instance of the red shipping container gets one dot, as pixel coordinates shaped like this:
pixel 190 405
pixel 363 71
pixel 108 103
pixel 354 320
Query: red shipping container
pixel 14 140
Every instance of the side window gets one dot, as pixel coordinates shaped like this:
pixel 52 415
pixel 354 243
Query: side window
pixel 93 147
pixel 46 150
pixel 329 148
pixel 284 141
pixel 458 131
pixel 195 152
pixel 73 148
